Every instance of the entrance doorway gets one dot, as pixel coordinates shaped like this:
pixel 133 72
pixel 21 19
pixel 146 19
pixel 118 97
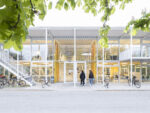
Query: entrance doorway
pixel 72 71
pixel 81 65
pixel 68 71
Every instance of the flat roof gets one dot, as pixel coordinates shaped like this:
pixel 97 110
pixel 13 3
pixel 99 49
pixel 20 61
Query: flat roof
pixel 81 32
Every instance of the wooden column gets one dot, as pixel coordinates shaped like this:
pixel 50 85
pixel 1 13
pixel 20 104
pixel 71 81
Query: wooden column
pixel 56 62
pixel 93 58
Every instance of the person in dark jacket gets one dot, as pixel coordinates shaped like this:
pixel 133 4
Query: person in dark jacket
pixel 82 77
pixel 91 77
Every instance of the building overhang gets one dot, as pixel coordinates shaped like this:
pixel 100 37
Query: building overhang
pixel 88 33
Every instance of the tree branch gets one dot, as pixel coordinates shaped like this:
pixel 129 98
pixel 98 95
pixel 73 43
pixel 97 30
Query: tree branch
pixel 106 5
pixel 16 22
pixel 31 5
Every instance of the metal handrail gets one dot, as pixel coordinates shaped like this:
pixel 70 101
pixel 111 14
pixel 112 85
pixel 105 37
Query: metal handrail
pixel 11 63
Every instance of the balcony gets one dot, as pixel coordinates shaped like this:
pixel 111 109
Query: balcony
pixel 136 54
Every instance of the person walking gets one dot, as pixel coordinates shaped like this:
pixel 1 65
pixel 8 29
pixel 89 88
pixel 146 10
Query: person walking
pixel 91 77
pixel 82 78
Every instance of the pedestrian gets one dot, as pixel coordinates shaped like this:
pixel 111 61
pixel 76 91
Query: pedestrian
pixel 91 77
pixel 82 77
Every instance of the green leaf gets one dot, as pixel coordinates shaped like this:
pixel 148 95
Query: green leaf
pixel 133 32
pixel 103 43
pixel 2 3
pixel 79 3
pixel 73 4
pixel 50 5
pixel 93 10
pixel 122 6
pixel 58 6
pixel 8 44
pixel 66 6
pixel 113 10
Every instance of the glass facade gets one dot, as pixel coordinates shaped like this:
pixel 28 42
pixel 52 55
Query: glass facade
pixel 60 57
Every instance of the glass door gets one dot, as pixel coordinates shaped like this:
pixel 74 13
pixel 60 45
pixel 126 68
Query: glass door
pixel 81 65
pixel 72 71
pixel 68 72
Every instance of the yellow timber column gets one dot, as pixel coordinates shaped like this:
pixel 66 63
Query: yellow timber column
pixel 93 58
pixel 56 62
pixel 114 71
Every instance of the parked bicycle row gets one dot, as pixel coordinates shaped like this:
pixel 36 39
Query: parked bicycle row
pixel 11 81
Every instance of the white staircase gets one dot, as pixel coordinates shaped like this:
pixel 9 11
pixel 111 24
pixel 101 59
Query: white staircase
pixel 11 65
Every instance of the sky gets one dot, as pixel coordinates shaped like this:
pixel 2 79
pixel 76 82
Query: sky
pixel 78 17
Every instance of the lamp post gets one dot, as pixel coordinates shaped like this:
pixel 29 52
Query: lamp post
pixel 131 47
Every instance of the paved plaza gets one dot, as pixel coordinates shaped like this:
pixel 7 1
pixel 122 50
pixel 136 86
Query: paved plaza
pixel 74 100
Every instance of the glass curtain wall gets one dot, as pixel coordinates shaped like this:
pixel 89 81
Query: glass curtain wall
pixel 145 48
pixel 145 65
pixel 111 59
pixel 110 53
pixel 40 62
pixel 25 57
pixel 124 66
pixel 65 54
pixel 84 57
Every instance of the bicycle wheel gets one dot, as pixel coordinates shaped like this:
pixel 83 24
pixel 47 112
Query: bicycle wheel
pixel 13 83
pixel 22 83
pixel 129 82
pixel 138 84
pixel 5 81
pixel 1 85
pixel 43 84
pixel 106 84
pixel 47 84
pixel 7 84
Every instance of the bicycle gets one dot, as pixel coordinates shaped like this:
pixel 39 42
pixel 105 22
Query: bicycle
pixel 1 85
pixel 135 82
pixel 106 83
pixel 14 81
pixel 4 82
pixel 44 83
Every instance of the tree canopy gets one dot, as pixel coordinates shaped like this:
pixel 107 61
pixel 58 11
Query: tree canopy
pixel 17 15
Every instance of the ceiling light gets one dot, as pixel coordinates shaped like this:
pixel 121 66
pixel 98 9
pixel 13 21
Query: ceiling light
pixel 86 54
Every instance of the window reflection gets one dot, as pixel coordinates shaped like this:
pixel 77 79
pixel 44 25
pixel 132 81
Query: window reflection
pixel 112 52
pixel 145 51
pixel 36 52
pixel 26 52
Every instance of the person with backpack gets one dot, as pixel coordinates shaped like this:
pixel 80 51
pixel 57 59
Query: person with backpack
pixel 91 77
pixel 82 77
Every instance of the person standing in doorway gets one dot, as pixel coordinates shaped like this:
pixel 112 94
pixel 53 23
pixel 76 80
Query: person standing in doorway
pixel 91 77
pixel 82 77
